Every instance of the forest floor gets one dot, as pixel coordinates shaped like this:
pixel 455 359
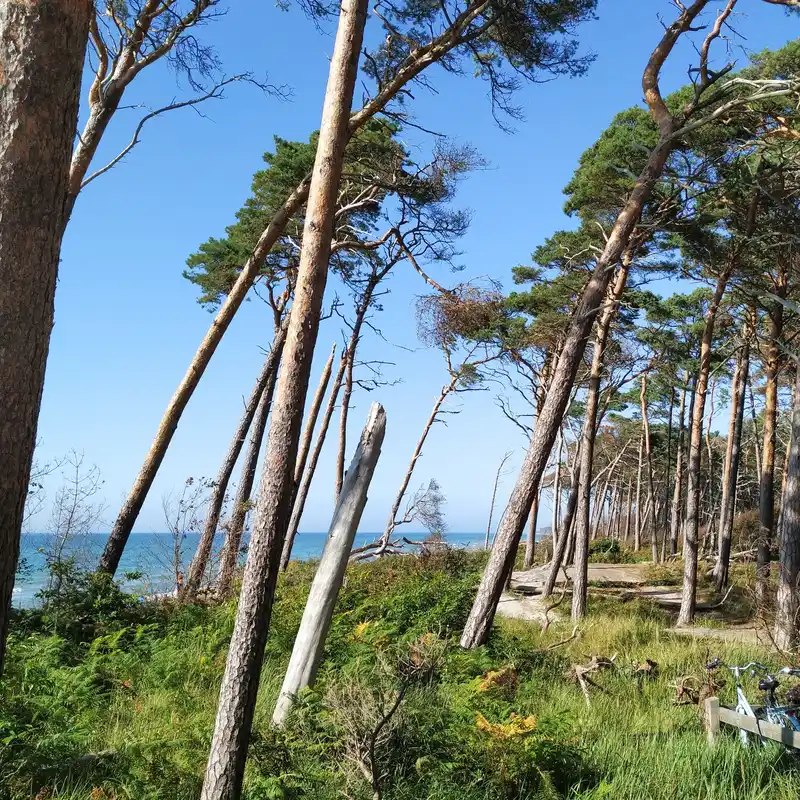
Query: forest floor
pixel 105 698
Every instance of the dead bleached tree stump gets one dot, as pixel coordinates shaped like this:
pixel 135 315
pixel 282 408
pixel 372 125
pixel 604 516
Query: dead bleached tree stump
pixel 310 641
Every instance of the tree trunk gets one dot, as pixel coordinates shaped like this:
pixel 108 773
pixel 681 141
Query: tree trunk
pixel 786 606
pixel 199 563
pixel 766 492
pixel 315 624
pixel 730 474
pixel 393 521
pixel 237 698
pixel 554 524
pixel 691 524
pixel 42 47
pixel 588 437
pixel 494 497
pixel 756 438
pixel 241 504
pixel 560 551
pixel 299 501
pixel 627 533
pixel 479 622
pixel 650 482
pixel 637 531
pixel 667 469
pixel 530 545
pixel 675 516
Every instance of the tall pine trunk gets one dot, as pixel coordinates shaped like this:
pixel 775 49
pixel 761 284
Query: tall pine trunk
pixel 766 493
pixel 241 503
pixel 692 522
pixel 237 698
pixel 675 515
pixel 730 475
pixel 648 448
pixel 199 563
pixel 42 47
pixel 786 607
pixel 637 531
pixel 588 437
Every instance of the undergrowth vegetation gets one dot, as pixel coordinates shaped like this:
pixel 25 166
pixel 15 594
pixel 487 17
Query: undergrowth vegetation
pixel 124 708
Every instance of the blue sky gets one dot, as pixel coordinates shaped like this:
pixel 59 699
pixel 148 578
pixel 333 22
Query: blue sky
pixel 127 322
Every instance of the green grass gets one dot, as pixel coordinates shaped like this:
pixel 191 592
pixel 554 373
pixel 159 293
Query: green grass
pixel 141 696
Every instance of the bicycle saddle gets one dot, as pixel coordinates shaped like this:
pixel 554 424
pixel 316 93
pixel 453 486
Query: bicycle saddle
pixel 768 684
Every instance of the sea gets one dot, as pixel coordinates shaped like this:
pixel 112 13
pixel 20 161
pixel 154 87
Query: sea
pixel 151 557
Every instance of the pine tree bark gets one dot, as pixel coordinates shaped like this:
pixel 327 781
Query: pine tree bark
pixel 675 515
pixel 730 475
pixel 199 564
pixel 300 495
pixel 648 448
pixel 560 551
pixel 692 522
pixel 638 527
pixel 556 508
pixel 229 556
pixel 786 607
pixel 766 495
pixel 237 698
pixel 42 47
pixel 628 513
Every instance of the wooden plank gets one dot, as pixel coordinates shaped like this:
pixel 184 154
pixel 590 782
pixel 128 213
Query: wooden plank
pixel 786 736
pixel 712 719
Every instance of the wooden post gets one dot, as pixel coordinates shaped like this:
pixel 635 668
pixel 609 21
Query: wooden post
pixel 310 641
pixel 712 719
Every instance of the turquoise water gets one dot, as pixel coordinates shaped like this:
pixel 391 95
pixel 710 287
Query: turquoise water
pixel 151 554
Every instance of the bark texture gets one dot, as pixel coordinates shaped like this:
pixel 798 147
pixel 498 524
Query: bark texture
pixel 229 745
pixel 675 515
pixel 310 641
pixel 786 606
pixel 42 47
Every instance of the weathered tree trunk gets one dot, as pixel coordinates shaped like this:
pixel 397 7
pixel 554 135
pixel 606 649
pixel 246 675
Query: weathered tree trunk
pixel 588 437
pixel 530 544
pixel 766 501
pixel 479 623
pixel 310 641
pixel 691 524
pixel 668 469
pixel 786 607
pixel 730 476
pixel 556 509
pixel 300 495
pixel 199 563
pixel 628 513
pixel 560 551
pixel 237 698
pixel 241 504
pixel 650 481
pixel 675 516
pixel 756 437
pixel 42 47
pixel 401 492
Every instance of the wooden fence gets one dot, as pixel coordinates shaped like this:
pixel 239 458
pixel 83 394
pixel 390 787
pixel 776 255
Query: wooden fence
pixel 717 715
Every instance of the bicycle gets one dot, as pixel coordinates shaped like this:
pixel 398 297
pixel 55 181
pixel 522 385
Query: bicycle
pixel 786 716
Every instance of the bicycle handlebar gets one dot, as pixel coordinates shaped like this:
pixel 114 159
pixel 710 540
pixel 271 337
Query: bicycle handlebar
pixel 752 665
